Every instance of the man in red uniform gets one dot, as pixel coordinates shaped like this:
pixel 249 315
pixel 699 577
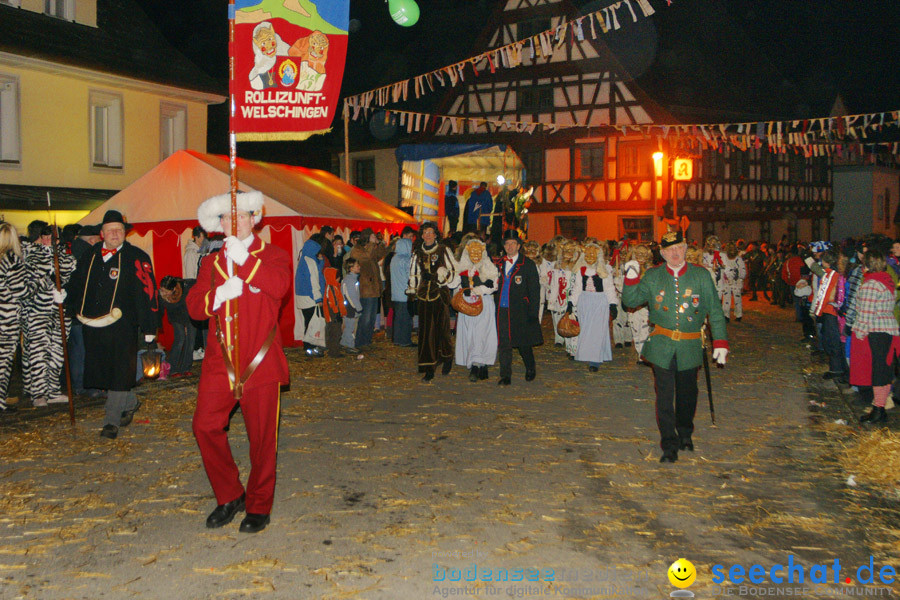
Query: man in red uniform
pixel 248 278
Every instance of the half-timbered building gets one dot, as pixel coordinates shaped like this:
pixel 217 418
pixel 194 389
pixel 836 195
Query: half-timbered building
pixel 592 177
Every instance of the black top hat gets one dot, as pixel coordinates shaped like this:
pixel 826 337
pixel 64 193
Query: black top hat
pixel 670 238
pixel 511 234
pixel 114 216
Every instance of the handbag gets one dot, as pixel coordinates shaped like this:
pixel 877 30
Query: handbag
pixel 568 326
pixel 315 330
pixel 463 306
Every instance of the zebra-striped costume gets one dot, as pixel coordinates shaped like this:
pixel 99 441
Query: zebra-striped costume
pixel 14 288
pixel 42 352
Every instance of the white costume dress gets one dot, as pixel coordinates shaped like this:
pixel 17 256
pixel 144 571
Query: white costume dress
pixel 558 296
pixel 476 337
pixel 593 302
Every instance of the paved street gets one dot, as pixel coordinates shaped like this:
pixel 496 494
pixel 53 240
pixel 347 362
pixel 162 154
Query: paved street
pixel 390 488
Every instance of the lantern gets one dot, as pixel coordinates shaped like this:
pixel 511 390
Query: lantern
pixel 404 12
pixel 151 361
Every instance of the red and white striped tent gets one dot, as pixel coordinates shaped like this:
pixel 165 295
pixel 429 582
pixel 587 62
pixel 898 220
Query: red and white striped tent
pixel 162 206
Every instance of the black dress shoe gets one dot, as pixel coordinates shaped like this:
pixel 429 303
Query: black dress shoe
pixel 429 374
pixel 254 523
pixel 448 365
pixel 473 373
pixel 875 417
pixel 504 381
pixel 109 432
pixel 669 456
pixel 482 372
pixel 593 369
pixel 686 445
pixel 530 375
pixel 128 415
pixel 224 513
pixel 627 344
pixel 619 345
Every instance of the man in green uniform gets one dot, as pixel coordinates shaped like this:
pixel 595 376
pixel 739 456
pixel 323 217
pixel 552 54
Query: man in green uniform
pixel 679 296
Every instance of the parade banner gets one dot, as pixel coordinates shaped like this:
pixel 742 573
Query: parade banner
pixel 288 61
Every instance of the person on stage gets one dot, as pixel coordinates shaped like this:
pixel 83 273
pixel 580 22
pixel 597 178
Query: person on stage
pixel 679 297
pixel 247 280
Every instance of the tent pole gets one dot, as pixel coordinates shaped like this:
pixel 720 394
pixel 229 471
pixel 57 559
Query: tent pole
pixel 232 165
pixel 346 148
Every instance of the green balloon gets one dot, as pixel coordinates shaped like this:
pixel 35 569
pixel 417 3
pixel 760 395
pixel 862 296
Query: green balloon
pixel 404 12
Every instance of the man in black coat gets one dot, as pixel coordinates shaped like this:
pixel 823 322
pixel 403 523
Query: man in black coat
pixel 518 302
pixel 113 294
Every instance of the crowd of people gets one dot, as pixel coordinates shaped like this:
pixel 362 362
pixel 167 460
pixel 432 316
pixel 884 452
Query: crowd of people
pixel 472 298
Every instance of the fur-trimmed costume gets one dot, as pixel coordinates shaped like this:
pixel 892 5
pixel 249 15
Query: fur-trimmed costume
pixel 562 283
pixel 431 272
pixel 734 271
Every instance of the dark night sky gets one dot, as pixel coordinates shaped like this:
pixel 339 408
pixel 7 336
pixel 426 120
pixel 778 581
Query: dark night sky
pixel 815 48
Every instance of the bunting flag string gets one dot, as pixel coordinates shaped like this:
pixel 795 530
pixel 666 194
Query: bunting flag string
pixel 510 55
pixel 813 137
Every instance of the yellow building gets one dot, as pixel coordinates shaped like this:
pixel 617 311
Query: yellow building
pixel 91 97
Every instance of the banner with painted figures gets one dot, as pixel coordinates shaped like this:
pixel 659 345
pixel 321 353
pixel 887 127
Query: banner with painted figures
pixel 288 58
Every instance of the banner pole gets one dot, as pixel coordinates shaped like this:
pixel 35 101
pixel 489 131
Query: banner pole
pixel 346 147
pixel 232 165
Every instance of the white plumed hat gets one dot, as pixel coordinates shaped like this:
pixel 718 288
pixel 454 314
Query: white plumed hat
pixel 211 211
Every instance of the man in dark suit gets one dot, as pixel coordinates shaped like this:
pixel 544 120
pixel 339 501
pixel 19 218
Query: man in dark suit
pixel 519 299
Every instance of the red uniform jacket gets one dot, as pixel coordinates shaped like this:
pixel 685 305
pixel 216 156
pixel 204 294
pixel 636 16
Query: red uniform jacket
pixel 267 278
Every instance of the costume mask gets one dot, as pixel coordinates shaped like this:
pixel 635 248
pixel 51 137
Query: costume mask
pixel 590 255
pixel 476 252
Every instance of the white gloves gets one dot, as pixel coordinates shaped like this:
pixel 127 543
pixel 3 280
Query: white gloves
pixel 442 274
pixel 719 355
pixel 149 338
pixel 236 251
pixel 632 269
pixel 809 260
pixel 59 296
pixel 231 289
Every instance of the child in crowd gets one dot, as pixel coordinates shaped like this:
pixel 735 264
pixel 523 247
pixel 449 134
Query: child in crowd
pixel 350 291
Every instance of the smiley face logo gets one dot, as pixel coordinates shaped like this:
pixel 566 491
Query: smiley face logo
pixel 682 573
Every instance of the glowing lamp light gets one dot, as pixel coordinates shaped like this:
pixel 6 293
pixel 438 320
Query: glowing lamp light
pixel 501 179
pixel 151 362
pixel 404 12
pixel 657 163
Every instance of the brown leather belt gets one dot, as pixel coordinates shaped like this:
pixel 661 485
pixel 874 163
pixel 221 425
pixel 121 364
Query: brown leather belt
pixel 675 334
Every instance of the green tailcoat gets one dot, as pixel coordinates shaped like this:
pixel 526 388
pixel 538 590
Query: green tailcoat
pixel 679 304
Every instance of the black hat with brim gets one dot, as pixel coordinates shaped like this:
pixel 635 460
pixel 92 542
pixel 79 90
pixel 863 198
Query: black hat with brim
pixel 114 216
pixel 512 234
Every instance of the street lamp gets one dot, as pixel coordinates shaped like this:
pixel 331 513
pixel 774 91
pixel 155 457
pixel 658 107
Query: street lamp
pixel 657 173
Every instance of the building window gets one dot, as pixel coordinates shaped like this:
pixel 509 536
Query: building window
pixel 820 170
pixel 535 99
pixel 588 162
pixel 534 166
pixel 172 129
pixel 61 9
pixel 364 173
pixel 531 27
pixel 637 229
pixel 797 168
pixel 768 166
pixel 9 120
pixel 739 162
pixel 713 165
pixel 633 160
pixel 574 228
pixel 106 130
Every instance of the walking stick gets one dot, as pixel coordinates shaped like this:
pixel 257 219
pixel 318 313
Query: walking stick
pixel 709 394
pixel 62 322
